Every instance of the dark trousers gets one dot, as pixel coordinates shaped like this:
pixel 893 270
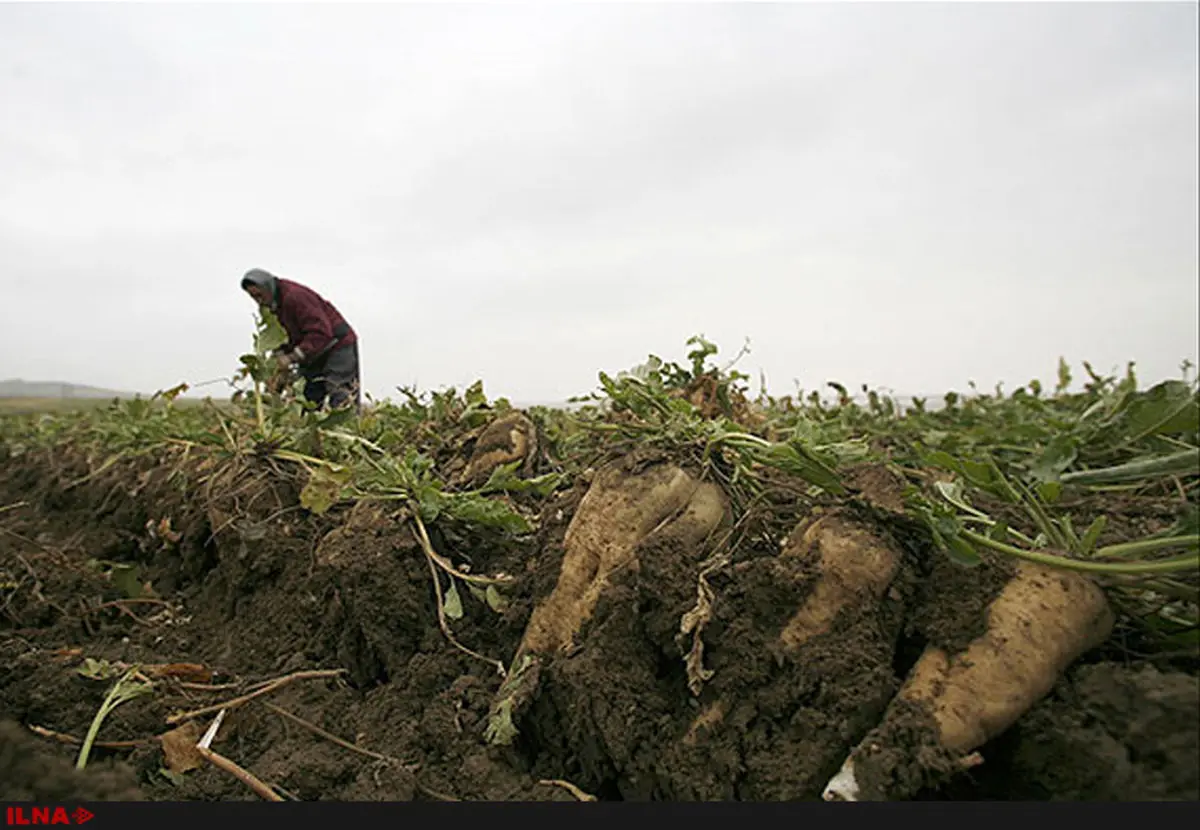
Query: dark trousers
pixel 335 378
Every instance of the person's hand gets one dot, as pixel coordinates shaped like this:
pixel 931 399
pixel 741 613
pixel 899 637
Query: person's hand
pixel 285 360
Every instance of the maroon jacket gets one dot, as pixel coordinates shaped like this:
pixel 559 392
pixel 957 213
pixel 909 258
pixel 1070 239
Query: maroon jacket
pixel 310 319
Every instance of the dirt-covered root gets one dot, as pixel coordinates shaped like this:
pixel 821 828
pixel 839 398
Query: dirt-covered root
pixel 802 652
pixel 855 567
pixel 776 712
pixel 953 703
pixel 510 438
pixel 641 523
pixel 243 496
pixel 623 508
pixel 31 771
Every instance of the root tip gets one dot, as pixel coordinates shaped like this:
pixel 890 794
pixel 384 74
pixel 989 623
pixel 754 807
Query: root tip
pixel 843 786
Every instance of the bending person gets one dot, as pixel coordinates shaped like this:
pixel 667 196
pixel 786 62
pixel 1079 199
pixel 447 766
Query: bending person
pixel 321 344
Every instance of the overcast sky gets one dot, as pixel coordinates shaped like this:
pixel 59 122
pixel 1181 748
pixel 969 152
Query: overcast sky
pixel 909 196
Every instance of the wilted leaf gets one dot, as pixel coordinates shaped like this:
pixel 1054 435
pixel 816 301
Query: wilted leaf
pixel 271 334
pixel 488 512
pixel 452 603
pixel 1064 377
pixel 681 406
pixel 474 396
pixel 338 417
pixel 1058 456
pixel 172 393
pixel 1049 491
pixel 500 729
pixel 179 748
pixel 980 474
pixel 693 622
pixel 97 669
pixel 495 599
pixel 962 552
pixel 166 532
pixel 431 501
pixel 1165 409
pixel 1185 462
pixel 976 473
pixel 1092 535
pixel 127 580
pixel 999 532
pixel 943 460
pixel 952 491
pixel 175 778
pixel 797 459
pixel 503 477
pixel 324 488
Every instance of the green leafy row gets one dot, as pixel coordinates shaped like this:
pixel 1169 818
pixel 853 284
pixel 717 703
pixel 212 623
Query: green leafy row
pixel 1039 474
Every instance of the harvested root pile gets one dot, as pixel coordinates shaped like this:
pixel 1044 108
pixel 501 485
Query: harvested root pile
pixel 682 594
pixel 600 649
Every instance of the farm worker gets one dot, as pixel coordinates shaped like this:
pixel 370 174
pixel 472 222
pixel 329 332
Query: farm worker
pixel 321 344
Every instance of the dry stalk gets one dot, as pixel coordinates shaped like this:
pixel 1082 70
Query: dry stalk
pixel 271 686
pixel 434 794
pixel 122 606
pixel 247 778
pixel 118 603
pixel 441 611
pixel 27 540
pixel 972 760
pixel 316 730
pixel 64 738
pixel 569 787
pixel 207 687
pixel 447 566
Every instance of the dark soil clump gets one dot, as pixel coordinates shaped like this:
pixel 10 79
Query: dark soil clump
pixel 1108 732
pixel 31 771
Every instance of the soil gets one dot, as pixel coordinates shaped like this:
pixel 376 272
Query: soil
pixel 255 588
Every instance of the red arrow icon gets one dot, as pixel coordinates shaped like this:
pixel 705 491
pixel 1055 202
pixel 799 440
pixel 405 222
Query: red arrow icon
pixel 81 815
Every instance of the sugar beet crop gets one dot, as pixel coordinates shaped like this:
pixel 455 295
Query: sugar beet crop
pixel 674 591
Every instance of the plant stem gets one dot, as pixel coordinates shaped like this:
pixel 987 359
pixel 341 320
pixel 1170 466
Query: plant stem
pixel 1179 564
pixel 301 458
pixel 278 683
pixel 427 548
pixel 1146 546
pixel 92 732
pixel 120 692
pixel 258 407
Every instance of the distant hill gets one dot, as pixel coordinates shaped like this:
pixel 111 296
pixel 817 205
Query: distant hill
pixel 55 389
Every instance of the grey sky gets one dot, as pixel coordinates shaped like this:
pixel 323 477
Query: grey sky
pixel 910 196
